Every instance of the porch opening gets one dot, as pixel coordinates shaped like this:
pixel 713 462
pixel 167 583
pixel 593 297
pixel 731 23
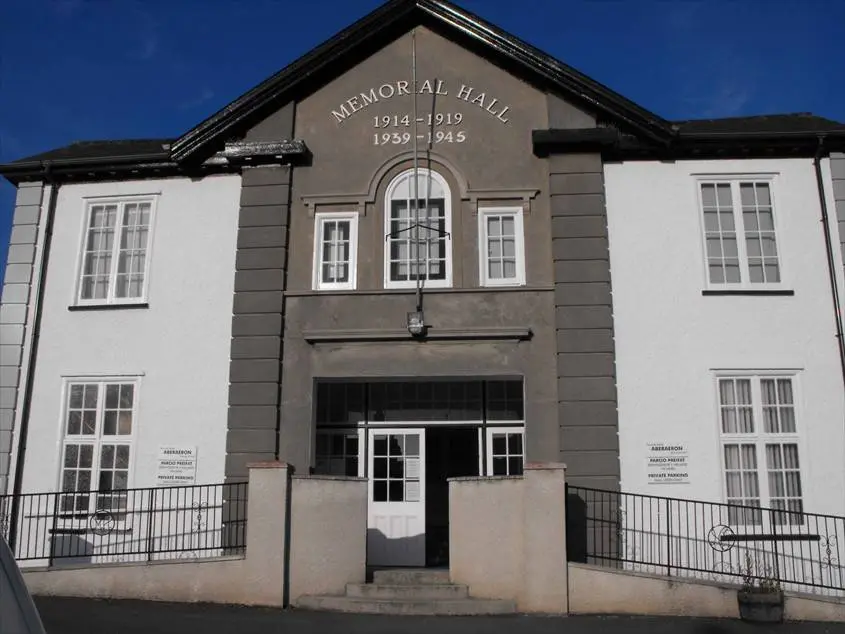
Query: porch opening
pixel 408 437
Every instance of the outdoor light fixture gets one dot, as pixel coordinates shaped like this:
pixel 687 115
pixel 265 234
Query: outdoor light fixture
pixel 416 323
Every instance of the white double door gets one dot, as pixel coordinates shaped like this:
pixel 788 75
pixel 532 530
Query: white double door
pixel 396 493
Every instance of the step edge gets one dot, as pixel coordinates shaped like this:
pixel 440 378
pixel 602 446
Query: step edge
pixel 470 600
pixel 420 586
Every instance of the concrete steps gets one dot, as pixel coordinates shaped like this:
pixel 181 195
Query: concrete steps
pixel 434 592
pixel 412 592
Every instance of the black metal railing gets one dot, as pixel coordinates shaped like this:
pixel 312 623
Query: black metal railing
pixel 707 540
pixel 93 527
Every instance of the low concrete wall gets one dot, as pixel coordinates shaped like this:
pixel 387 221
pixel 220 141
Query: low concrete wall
pixel 595 590
pixel 257 579
pixel 507 537
pixel 485 535
pixel 213 581
pixel 328 545
pixel 803 608
pixel 603 591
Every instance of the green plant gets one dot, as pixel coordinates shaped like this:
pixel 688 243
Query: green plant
pixel 758 581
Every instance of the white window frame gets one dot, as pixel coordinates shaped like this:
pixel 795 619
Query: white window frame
pixel 97 440
pixel 503 429
pixel 760 438
pixel 446 282
pixel 110 298
pixel 319 221
pixel 734 180
pixel 519 248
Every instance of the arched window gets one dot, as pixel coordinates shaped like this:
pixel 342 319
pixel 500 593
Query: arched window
pixel 418 226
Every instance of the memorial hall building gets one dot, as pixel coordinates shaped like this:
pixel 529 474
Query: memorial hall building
pixel 427 250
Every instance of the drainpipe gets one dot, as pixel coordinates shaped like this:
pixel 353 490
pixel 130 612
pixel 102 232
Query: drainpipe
pixel 33 353
pixel 831 261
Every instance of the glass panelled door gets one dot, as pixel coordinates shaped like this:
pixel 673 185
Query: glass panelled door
pixel 396 526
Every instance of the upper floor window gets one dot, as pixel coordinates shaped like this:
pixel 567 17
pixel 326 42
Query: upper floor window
pixel 335 251
pixel 760 449
pixel 114 251
pixel 501 247
pixel 418 226
pixel 739 231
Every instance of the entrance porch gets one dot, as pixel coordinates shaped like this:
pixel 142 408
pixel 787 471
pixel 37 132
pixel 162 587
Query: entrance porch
pixel 408 437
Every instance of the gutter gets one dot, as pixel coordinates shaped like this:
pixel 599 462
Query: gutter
pixel 831 262
pixel 23 432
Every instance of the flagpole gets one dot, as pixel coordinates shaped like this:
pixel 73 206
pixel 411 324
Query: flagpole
pixel 415 190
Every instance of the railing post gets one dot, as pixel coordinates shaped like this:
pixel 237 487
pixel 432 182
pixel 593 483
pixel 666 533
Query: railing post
pixel 52 533
pixel 668 541
pixel 775 544
pixel 150 536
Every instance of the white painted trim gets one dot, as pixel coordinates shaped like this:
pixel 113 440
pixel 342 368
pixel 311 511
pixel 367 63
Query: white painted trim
pixel 734 179
pixel 319 218
pixel 424 423
pixel 119 200
pixel 519 237
pixel 447 212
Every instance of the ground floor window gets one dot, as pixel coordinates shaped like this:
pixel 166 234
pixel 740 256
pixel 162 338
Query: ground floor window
pixel 98 425
pixel 505 448
pixel 760 448
pixel 338 453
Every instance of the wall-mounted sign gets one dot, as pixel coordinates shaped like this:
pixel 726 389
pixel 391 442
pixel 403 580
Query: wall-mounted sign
pixel 440 123
pixel 667 463
pixel 177 466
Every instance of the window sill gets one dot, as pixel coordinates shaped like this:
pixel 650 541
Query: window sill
pixel 771 292
pixel 76 307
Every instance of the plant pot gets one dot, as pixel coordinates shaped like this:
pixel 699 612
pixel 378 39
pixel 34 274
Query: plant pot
pixel 760 607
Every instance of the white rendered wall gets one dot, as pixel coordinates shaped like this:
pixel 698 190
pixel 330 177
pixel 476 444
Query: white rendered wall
pixel 670 338
pixel 180 344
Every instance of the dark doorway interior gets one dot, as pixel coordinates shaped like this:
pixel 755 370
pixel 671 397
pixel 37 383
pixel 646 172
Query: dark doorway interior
pixel 451 452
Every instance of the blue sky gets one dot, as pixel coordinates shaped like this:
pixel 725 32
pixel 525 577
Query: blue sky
pixel 103 69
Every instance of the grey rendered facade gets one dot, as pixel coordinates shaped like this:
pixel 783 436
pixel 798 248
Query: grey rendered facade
pixel 15 314
pixel 566 360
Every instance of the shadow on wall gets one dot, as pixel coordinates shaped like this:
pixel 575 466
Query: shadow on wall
pixel 576 528
pixel 71 550
pixel 410 551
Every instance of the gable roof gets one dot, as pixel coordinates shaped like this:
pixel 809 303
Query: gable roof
pixel 393 19
pixel 630 129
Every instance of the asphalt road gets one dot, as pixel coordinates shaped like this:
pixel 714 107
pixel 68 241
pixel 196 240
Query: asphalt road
pixel 87 616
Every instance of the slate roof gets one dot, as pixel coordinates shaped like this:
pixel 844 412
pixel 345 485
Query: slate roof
pixel 128 149
pixel 769 124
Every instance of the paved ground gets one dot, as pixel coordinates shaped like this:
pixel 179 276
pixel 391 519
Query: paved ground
pixel 85 616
